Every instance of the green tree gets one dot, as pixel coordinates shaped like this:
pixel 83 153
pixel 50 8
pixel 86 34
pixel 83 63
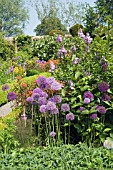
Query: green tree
pixel 48 24
pixel 13 16
pixel 69 12
pixel 99 15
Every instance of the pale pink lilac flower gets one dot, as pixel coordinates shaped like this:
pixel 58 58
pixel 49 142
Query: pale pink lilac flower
pixel 70 116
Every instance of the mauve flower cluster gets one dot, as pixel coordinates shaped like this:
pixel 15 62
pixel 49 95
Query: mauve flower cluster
pixel 106 97
pixel 59 38
pixel 70 116
pixel 52 134
pixel 93 116
pixel 89 95
pixel 11 96
pixel 73 49
pixel 103 86
pixel 52 67
pixel 62 51
pixel 42 97
pixel 5 87
pixel 101 109
pixel 76 60
pixel 87 38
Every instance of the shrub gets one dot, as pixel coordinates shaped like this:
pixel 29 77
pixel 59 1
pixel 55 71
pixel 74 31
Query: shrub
pixel 52 32
pixel 74 29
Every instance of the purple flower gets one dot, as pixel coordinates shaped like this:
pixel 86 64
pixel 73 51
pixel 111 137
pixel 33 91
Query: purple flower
pixel 106 97
pixel 86 101
pixel 11 96
pixel 52 67
pixel 29 99
pixel 56 86
pixel 52 134
pixel 43 108
pixel 70 116
pixel 35 96
pixel 101 109
pixel 88 39
pixel 37 90
pixel 44 94
pixel 73 49
pixel 11 69
pixel 62 50
pixel 103 86
pixel 54 111
pixel 41 80
pixel 104 66
pixel 80 33
pixel 50 80
pixel 89 95
pixel 51 105
pixel 42 101
pixel 5 87
pixel 65 107
pixel 82 109
pixel 76 60
pixel 59 38
pixel 57 99
pixel 23 117
pixel 93 116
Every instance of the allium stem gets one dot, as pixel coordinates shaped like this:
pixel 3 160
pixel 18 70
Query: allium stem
pixel 69 134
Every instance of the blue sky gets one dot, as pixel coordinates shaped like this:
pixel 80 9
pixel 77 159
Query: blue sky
pixel 33 21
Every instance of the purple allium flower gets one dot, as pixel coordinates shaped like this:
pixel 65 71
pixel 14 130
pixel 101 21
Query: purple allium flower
pixel 44 94
pixel 59 38
pixel 70 116
pixel 106 97
pixel 11 69
pixel 37 90
pixel 82 109
pixel 11 96
pixel 42 101
pixel 54 111
pixel 87 101
pixel 50 80
pixel 93 116
pixel 41 80
pixel 76 60
pixel 56 86
pixel 101 109
pixel 52 134
pixel 81 34
pixel 89 95
pixel 103 86
pixel 51 99
pixel 65 107
pixel 57 99
pixel 5 87
pixel 43 108
pixel 35 96
pixel 62 50
pixel 29 99
pixel 51 105
pixel 23 116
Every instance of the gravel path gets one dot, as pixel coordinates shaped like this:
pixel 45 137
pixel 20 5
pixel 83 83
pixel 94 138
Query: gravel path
pixel 6 109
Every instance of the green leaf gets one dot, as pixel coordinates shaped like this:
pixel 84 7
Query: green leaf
pixel 107 130
pixel 63 92
pixel 73 99
pixel 66 124
pixel 77 74
pixel 75 105
pixel 85 88
pixel 85 112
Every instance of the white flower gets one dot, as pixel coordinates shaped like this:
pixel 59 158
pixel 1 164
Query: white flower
pixel 108 144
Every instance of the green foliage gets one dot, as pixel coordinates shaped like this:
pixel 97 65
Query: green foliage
pixel 22 40
pixel 48 24
pixel 52 32
pixel 65 157
pixel 7 49
pixel 13 16
pixel 74 29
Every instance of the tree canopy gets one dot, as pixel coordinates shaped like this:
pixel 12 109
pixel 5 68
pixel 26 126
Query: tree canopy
pixel 48 24
pixel 13 16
